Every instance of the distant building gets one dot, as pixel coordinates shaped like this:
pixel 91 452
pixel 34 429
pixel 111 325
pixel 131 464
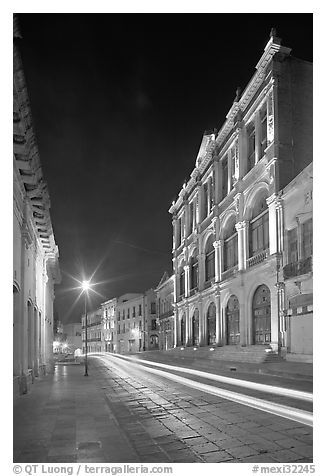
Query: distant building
pixel 109 319
pixel 35 253
pixel 229 218
pixel 130 323
pixel 297 267
pixel 164 304
pixel 73 336
pixel 151 322
pixel 94 331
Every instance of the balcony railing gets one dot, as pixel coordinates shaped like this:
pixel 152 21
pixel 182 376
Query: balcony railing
pixel 258 258
pixel 298 268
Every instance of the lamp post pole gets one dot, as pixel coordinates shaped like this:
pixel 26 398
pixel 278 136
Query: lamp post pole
pixel 86 342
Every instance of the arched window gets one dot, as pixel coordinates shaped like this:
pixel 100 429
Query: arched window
pixel 195 328
pixel 261 309
pixel 259 228
pixel 232 321
pixel 182 331
pixel 194 271
pixel 230 246
pixel 209 259
pixel 211 324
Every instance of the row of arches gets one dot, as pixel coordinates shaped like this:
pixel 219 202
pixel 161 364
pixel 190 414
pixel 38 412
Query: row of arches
pixel 256 241
pixel 261 319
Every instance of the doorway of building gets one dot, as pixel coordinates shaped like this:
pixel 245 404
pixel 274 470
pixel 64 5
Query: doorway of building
pixel 232 321
pixel 195 328
pixel 261 310
pixel 211 324
pixel 182 331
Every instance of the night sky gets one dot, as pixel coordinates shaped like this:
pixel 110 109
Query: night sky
pixel 119 105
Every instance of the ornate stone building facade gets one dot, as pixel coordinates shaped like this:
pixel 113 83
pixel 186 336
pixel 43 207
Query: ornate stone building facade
pixel 228 219
pixel 35 253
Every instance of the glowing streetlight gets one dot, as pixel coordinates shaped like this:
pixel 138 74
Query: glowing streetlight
pixel 85 287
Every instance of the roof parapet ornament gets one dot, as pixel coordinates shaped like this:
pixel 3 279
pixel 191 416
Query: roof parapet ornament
pixel 237 94
pixel 273 36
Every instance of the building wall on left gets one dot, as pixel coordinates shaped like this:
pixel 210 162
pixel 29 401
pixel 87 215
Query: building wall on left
pixel 35 253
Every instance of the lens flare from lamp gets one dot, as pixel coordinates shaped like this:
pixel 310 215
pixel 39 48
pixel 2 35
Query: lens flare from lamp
pixel 85 285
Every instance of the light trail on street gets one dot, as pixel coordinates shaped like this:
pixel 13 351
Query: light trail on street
pixel 284 411
pixel 280 391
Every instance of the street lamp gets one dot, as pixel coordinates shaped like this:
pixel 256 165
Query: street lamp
pixel 86 286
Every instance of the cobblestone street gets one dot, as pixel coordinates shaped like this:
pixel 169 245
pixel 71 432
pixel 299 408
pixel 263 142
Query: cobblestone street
pixel 114 417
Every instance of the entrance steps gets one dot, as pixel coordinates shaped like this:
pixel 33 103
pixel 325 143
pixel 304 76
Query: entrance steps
pixel 231 353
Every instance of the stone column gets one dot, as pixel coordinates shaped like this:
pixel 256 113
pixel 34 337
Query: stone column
pixel 187 280
pixel 218 264
pixel 273 233
pixel 187 326
pixel 217 297
pixel 280 287
pixel 280 224
pixel 219 259
pixel 241 228
pixel 202 323
pixel 176 331
pixel 36 342
pixel 274 319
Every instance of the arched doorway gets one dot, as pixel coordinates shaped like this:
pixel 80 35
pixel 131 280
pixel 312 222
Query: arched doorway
pixel 182 331
pixel 195 328
pixel 232 321
pixel 211 324
pixel 261 310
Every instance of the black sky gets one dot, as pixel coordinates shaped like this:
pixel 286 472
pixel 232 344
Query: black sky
pixel 119 104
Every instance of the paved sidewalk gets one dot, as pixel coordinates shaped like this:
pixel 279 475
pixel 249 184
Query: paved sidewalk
pixel 65 418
